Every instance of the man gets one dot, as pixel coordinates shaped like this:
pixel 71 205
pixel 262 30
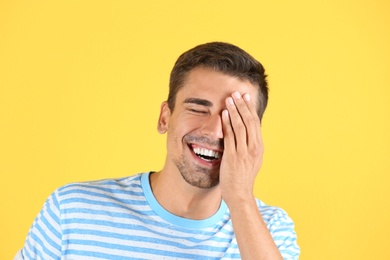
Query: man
pixel 201 204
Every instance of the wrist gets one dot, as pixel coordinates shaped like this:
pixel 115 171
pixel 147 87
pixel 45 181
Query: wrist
pixel 242 203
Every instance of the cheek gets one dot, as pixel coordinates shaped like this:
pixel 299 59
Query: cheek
pixel 185 125
pixel 179 127
pixel 175 136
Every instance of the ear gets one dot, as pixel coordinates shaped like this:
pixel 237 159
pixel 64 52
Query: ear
pixel 163 120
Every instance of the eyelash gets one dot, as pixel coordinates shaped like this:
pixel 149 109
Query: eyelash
pixel 197 111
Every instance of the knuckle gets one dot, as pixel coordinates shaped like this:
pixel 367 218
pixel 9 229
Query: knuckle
pixel 252 121
pixel 256 120
pixel 256 150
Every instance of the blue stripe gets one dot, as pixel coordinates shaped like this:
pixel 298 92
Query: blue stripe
pixel 42 244
pixel 152 240
pixel 230 255
pixel 34 249
pixel 284 239
pixel 70 188
pixel 100 255
pixel 45 236
pixel 101 195
pixel 131 227
pixel 156 252
pixel 285 229
pixel 291 253
pixel 55 218
pixel 55 201
pixel 128 216
pixel 121 185
pixel 102 203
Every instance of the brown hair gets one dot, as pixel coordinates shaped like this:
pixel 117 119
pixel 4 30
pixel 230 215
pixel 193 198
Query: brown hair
pixel 222 57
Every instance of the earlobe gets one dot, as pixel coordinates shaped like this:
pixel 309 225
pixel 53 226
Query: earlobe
pixel 163 120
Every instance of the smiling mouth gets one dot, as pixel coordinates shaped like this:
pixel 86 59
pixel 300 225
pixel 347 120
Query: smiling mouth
pixel 206 154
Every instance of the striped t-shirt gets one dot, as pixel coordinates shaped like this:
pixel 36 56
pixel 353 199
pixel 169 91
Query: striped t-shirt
pixel 121 219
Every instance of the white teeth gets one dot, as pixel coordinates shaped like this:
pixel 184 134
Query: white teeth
pixel 207 152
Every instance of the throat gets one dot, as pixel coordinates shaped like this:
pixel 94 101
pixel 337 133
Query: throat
pixel 184 201
pixel 197 209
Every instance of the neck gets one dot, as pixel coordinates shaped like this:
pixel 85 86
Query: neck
pixel 181 199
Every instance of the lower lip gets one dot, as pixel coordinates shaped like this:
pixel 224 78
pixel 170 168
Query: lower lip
pixel 213 163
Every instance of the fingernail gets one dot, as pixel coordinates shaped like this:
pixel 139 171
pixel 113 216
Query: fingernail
pixel 225 113
pixel 247 97
pixel 230 100
pixel 237 94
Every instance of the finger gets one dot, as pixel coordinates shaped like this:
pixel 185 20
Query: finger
pixel 253 120
pixel 244 109
pixel 237 123
pixel 228 134
pixel 251 105
pixel 254 125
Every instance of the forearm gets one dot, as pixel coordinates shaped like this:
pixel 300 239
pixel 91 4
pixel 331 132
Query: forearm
pixel 253 237
pixel 242 159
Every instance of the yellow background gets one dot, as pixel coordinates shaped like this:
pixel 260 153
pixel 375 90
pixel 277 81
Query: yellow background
pixel 81 84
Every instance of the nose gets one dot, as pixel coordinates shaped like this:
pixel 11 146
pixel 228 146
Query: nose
pixel 212 127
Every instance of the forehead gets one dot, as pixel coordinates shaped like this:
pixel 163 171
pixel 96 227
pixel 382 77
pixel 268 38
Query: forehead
pixel 214 86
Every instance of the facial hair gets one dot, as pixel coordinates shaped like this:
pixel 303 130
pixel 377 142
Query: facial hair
pixel 196 175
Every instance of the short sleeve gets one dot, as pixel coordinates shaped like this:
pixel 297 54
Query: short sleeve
pixel 282 230
pixel 43 241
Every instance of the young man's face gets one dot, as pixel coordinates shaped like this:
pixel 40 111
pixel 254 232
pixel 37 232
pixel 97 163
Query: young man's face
pixel 194 127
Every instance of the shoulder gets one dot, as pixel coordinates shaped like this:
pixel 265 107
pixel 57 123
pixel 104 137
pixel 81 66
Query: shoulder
pixel 108 185
pixel 100 189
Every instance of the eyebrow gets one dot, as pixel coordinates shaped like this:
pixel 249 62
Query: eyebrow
pixel 198 101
